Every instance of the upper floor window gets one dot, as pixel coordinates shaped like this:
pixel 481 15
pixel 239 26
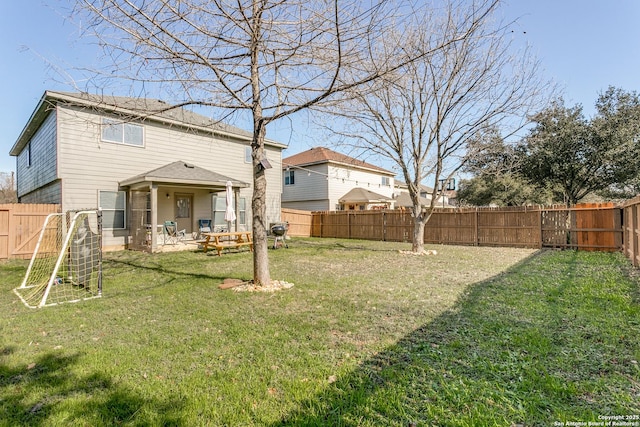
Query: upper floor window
pixel 385 180
pixel 289 177
pixel 29 157
pixel 247 155
pixel 122 133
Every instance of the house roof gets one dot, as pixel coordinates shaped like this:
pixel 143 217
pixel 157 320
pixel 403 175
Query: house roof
pixel 361 195
pixel 129 107
pixel 404 200
pixel 403 185
pixel 185 174
pixel 319 155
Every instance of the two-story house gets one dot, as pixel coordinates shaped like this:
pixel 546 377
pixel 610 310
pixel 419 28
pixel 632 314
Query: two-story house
pixel 403 200
pixel 321 179
pixel 140 162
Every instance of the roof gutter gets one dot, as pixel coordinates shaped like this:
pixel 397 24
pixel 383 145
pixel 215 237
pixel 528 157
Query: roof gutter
pixel 53 97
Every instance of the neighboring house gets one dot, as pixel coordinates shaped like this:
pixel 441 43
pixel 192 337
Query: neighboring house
pixel 141 163
pixel 320 179
pixel 403 200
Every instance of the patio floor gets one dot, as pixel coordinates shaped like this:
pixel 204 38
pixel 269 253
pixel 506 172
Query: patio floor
pixel 187 244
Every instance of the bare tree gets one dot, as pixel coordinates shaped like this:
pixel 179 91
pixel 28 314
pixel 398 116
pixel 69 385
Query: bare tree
pixel 426 115
pixel 8 192
pixel 268 58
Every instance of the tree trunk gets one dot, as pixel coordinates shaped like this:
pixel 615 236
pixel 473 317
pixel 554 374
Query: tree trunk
pixel 417 244
pixel 261 275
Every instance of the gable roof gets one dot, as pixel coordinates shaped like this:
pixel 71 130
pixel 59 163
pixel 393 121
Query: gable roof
pixel 132 108
pixel 404 186
pixel 319 155
pixel 404 200
pixel 183 173
pixel 363 196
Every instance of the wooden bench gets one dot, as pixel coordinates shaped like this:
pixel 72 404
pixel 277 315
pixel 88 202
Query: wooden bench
pixel 221 241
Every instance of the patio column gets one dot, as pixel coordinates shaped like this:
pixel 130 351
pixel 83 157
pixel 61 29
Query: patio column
pixel 236 201
pixel 154 216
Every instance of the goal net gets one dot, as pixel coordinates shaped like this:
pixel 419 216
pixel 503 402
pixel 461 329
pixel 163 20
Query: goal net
pixel 66 265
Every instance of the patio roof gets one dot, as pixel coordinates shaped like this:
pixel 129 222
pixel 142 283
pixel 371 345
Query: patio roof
pixel 404 200
pixel 361 195
pixel 183 173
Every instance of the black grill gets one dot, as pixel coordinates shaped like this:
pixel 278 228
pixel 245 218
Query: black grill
pixel 279 231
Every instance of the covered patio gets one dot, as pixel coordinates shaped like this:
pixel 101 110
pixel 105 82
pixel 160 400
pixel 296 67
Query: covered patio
pixel 363 199
pixel 180 192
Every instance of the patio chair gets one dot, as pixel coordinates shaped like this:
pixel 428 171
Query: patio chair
pixel 171 233
pixel 204 226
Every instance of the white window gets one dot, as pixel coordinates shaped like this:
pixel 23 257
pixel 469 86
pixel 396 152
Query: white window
pixel 122 133
pixel 247 155
pixel 289 177
pixel 219 207
pixel 114 208
pixel 385 180
pixel 29 154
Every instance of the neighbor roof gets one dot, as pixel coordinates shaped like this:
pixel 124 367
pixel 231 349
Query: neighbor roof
pixel 319 155
pixel 404 200
pixel 146 108
pixel 404 185
pixel 183 173
pixel 362 195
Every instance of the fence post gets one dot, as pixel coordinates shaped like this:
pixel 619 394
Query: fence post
pixel 540 228
pixel 477 227
pixel 11 231
pixel 617 224
pixel 634 234
pixel 384 226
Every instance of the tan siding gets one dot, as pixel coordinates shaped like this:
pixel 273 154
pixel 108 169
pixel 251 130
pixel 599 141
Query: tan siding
pixel 312 205
pixel 319 187
pixel 342 180
pixel 88 164
pixel 47 194
pixel 309 184
pixel 42 170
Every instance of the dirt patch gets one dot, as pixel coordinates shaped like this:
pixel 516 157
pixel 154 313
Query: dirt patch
pixel 424 252
pixel 240 286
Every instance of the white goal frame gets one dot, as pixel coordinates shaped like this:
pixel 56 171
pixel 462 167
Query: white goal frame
pixel 66 265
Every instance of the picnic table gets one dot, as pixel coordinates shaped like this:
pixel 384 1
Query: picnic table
pixel 227 240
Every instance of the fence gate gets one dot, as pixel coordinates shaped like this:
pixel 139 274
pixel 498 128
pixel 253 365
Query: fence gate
pixel 556 228
pixel 588 227
pixel 20 226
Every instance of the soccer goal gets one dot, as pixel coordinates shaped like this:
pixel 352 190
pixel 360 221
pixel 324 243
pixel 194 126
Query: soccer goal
pixel 66 265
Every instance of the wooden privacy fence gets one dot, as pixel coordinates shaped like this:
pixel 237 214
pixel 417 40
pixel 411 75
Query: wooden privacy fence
pixel 631 220
pixel 585 227
pixel 299 222
pixel 20 226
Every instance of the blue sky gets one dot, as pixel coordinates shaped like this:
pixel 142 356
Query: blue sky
pixel 584 45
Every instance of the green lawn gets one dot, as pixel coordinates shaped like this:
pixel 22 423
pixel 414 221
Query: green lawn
pixel 367 336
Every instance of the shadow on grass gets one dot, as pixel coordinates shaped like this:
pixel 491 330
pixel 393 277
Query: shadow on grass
pixel 49 392
pixel 168 274
pixel 339 244
pixel 511 352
